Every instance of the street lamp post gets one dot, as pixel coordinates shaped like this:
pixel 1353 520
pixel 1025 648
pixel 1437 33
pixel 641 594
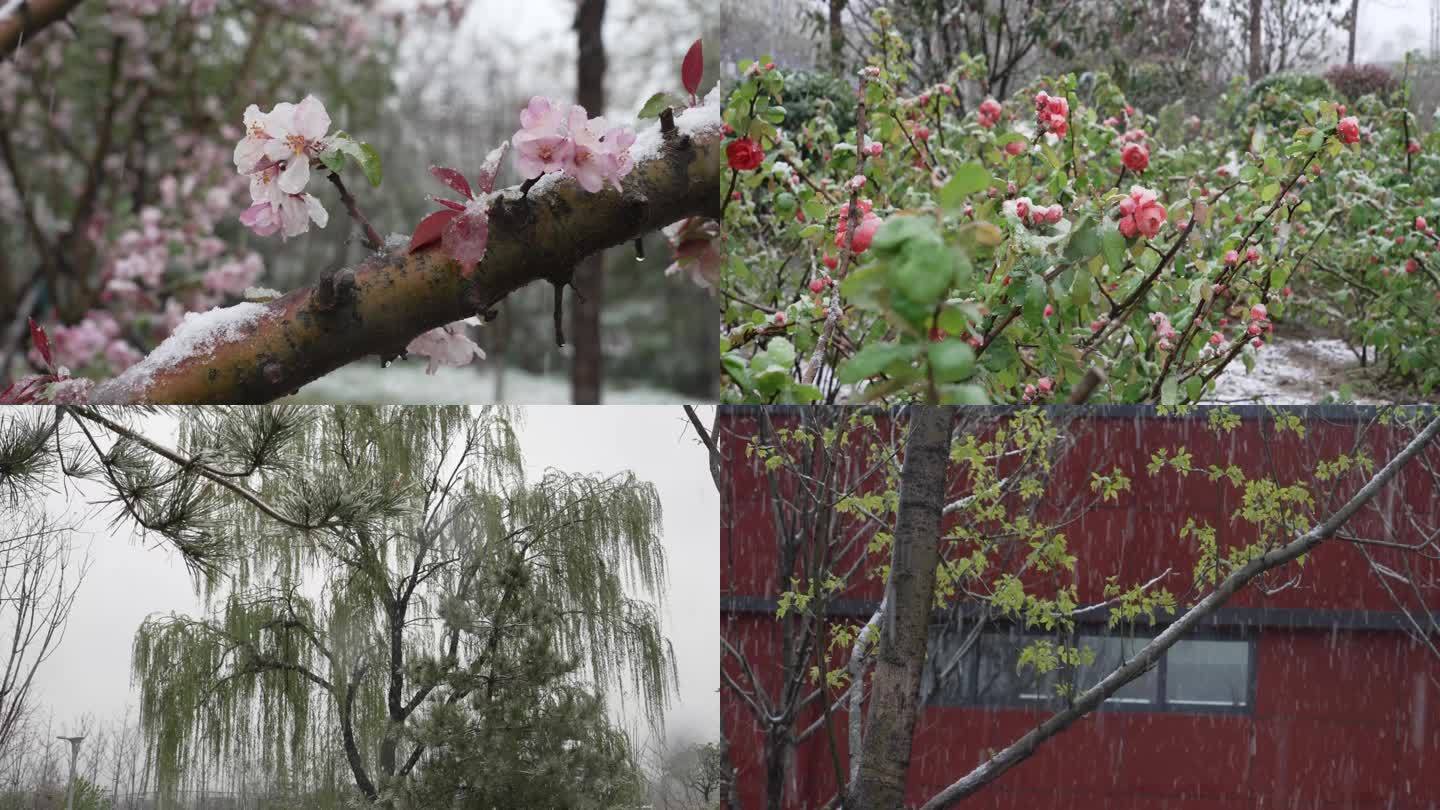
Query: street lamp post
pixel 74 754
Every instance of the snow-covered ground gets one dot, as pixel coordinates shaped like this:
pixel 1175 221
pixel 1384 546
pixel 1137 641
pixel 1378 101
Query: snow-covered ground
pixel 1293 371
pixel 407 383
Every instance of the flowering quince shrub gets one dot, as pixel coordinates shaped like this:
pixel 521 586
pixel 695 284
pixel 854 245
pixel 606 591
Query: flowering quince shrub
pixel 1058 244
pixel 1369 272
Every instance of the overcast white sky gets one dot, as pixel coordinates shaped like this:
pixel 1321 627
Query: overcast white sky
pixel 90 672
pixel 1388 28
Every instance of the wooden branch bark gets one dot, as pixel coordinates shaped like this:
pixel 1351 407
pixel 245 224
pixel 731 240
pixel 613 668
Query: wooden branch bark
pixel 905 624
pixel 1090 699
pixel 379 305
pixel 28 20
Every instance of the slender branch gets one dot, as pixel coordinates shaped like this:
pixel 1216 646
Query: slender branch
pixel 203 470
pixel 708 441
pixel 372 238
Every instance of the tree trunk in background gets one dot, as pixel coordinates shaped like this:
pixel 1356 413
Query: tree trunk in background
pixel 837 36
pixel 1194 20
pixel 1354 23
pixel 1256 68
pixel 584 332
pixel 502 351
pixel 909 595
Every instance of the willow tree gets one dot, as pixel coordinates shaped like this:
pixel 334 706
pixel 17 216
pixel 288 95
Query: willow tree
pixel 396 595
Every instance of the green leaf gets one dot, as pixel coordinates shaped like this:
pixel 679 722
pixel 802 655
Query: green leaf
pixel 1194 387
pixel 924 271
pixel 969 178
pixel 1113 245
pixel 897 231
pixel 655 105
pixel 1169 391
pixel 964 395
pixel 951 360
pixel 370 163
pixel 1080 289
pixel 1084 242
pixel 334 160
pixel 1270 192
pixel 952 321
pixel 871 360
pixel 1036 296
pixel 1000 354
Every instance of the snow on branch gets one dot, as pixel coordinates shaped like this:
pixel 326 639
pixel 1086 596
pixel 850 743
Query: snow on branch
pixel 259 352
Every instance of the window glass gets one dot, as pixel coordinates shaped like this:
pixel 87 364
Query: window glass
pixel 1110 653
pixel 946 678
pixel 999 681
pixel 1208 673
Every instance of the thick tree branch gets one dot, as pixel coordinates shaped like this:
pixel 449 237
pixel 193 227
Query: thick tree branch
pixel 395 296
pixel 1149 656
pixel 25 19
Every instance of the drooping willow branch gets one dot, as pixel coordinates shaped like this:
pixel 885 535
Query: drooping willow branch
pixel 26 18
pixel 379 305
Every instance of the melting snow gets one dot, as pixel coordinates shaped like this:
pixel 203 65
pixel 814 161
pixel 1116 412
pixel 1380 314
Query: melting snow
pixel 693 121
pixel 198 334
pixel 699 121
pixel 1291 371
pixel 407 383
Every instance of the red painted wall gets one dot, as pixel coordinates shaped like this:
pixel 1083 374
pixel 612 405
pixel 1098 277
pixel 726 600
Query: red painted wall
pixel 1342 718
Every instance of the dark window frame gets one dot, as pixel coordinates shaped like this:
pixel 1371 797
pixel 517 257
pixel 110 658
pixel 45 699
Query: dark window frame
pixel 1161 704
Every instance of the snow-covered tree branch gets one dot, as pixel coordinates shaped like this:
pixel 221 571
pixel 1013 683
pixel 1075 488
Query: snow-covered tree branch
pixel 255 352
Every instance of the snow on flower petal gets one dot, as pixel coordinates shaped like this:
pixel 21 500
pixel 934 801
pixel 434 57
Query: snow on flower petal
pixel 485 178
pixel 261 218
pixel 465 237
pixel 445 346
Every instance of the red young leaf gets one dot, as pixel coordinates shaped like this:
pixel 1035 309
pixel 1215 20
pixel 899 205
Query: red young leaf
pixel 485 179
pixel 451 204
pixel 453 179
pixel 466 237
pixel 25 390
pixel 430 229
pixel 42 343
pixel 692 68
